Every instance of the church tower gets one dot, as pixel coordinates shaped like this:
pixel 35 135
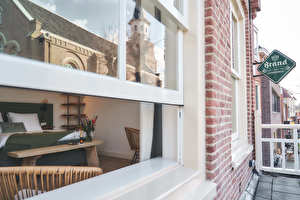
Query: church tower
pixel 140 26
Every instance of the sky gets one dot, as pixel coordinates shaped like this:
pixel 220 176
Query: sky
pixel 279 28
pixel 93 15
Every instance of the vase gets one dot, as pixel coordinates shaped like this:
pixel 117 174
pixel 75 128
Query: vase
pixel 90 135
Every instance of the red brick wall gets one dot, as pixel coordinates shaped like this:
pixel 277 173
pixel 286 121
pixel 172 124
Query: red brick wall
pixel 230 182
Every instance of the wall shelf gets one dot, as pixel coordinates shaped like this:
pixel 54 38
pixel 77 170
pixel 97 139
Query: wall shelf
pixel 74 102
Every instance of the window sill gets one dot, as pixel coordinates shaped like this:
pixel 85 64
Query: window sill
pixel 152 179
pixel 240 154
pixel 196 190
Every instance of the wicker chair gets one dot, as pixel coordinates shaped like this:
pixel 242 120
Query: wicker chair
pixel 24 182
pixel 133 136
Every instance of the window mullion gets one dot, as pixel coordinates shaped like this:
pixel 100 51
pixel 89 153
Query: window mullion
pixel 180 135
pixel 180 62
pixel 122 41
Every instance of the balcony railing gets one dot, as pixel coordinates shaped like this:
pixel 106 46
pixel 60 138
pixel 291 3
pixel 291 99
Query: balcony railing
pixel 277 147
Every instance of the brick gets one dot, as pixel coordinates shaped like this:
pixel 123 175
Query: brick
pixel 219 100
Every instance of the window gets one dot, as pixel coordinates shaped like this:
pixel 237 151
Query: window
pixel 234 111
pixel 275 102
pixel 234 43
pixel 257 97
pixel 108 47
pixel 100 45
pixel 235 65
pixel 255 45
pixel 178 4
pixel 239 135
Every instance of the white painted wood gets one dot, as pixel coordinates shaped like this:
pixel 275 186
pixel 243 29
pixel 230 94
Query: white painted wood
pixel 110 185
pixel 287 126
pixel 170 132
pixel 296 155
pixel 276 140
pixel 280 170
pixel 122 41
pixel 272 154
pixel 174 13
pixel 294 140
pixel 180 119
pixel 167 183
pixel 258 142
pixel 179 75
pixel 42 76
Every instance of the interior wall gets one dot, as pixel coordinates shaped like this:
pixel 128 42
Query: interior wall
pixel 170 125
pixel 146 127
pixel 32 96
pixel 113 116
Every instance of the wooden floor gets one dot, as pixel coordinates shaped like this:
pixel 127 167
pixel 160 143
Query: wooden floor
pixel 112 163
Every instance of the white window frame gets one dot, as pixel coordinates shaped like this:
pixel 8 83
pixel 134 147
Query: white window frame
pixel 277 97
pixel 81 82
pixel 39 76
pixel 235 72
pixel 240 147
pixel 258 97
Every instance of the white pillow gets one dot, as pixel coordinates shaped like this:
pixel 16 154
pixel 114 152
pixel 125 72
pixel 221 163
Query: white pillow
pixel 1 119
pixel 31 121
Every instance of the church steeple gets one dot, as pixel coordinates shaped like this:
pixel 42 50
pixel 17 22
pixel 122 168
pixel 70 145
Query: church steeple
pixel 139 24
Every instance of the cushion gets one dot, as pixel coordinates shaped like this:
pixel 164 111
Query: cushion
pixel 31 121
pixel 8 127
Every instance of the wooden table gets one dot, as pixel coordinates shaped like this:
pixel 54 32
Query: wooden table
pixel 30 156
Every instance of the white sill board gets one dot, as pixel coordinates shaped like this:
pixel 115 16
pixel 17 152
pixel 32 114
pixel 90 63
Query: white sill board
pixel 240 155
pixel 162 186
pixel 122 181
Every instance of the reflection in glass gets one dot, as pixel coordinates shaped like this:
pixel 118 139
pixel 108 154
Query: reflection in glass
pixel 289 155
pixel 277 155
pixel 62 32
pixel 266 154
pixel 151 45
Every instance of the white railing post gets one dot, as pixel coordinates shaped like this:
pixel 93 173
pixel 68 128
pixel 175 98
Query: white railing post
pixel 258 143
pixel 271 154
pixel 296 155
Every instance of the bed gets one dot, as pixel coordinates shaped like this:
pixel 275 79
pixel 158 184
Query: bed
pixel 15 141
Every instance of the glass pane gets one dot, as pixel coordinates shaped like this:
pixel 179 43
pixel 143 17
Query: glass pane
pixel 151 45
pixel 277 155
pixel 63 33
pixel 234 106
pixel 266 154
pixel 234 43
pixel 266 133
pixel 289 156
pixel 178 4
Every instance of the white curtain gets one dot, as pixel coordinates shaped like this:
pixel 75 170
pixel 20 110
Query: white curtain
pixel 146 130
